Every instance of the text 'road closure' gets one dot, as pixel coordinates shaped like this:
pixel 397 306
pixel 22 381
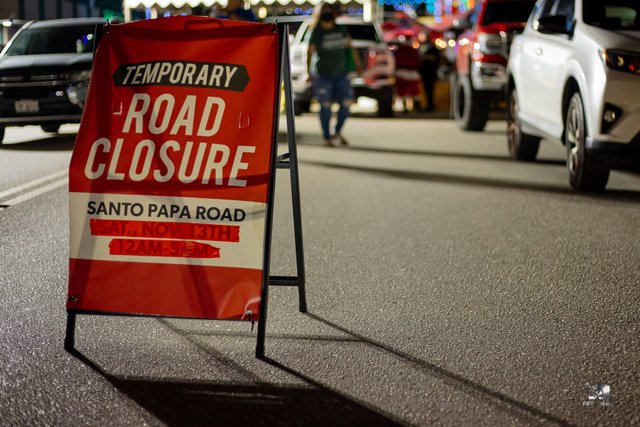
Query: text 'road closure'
pixel 195 160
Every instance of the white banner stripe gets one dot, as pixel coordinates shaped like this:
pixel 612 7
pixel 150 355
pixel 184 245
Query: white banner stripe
pixel 245 253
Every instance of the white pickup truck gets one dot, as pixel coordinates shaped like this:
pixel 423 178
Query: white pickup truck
pixel 375 82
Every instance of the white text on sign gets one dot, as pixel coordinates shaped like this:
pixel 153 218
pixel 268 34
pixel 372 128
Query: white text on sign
pixel 151 160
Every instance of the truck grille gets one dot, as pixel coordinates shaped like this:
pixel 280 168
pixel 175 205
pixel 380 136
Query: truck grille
pixel 47 87
pixel 25 80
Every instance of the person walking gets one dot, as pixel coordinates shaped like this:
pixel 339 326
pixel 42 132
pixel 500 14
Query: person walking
pixel 328 57
pixel 429 73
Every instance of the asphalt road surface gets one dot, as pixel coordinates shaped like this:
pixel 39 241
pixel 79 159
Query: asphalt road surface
pixel 447 285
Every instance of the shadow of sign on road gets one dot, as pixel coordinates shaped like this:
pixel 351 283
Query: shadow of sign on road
pixel 608 195
pixel 253 401
pixel 473 156
pixel 197 403
pixel 193 403
pixel 496 398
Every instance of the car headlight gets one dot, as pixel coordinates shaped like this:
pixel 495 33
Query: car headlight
pixel 490 43
pixel 80 76
pixel 620 60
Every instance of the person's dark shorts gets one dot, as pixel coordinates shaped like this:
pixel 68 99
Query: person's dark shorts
pixel 329 89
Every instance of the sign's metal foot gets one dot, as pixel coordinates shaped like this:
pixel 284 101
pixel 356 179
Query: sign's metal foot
pixel 69 339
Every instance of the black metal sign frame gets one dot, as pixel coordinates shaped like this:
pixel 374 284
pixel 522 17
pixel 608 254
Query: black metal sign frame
pixel 289 161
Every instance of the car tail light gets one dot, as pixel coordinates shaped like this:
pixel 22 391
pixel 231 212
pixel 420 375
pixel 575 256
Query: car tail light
pixel 379 57
pixel 619 60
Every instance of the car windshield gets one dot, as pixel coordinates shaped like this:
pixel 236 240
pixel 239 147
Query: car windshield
pixel 38 41
pixel 362 32
pixel 507 12
pixel 613 14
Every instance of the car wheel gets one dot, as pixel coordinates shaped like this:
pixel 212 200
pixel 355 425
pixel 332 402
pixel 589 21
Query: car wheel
pixel 470 106
pixel 385 102
pixel 587 172
pixel 521 146
pixel 300 107
pixel 50 127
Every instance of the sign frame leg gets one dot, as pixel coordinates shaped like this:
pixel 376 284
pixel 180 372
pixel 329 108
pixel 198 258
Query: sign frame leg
pixel 262 316
pixel 295 180
pixel 285 161
pixel 290 161
pixel 70 335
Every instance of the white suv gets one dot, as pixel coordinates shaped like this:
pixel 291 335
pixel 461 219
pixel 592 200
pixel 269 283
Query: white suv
pixel 574 76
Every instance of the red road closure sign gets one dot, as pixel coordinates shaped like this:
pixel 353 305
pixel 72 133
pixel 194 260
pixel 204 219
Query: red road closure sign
pixel 169 179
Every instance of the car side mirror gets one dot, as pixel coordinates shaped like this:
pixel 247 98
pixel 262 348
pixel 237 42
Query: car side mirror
pixel 554 24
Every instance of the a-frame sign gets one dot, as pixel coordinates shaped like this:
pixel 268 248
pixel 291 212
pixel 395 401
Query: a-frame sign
pixel 172 177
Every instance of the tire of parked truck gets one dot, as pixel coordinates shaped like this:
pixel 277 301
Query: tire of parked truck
pixel 300 107
pixel 50 127
pixel 385 102
pixel 470 106
pixel 521 146
pixel 587 171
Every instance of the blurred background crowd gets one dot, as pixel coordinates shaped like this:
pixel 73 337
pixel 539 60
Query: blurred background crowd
pixel 421 35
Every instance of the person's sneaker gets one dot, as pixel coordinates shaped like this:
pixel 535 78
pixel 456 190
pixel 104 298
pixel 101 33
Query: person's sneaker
pixel 340 139
pixel 328 143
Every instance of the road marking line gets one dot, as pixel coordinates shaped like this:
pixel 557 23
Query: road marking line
pixel 36 192
pixel 23 187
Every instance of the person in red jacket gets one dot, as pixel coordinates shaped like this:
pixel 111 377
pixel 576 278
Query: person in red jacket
pixel 407 71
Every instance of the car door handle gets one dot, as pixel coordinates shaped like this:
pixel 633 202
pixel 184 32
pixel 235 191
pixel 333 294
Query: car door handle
pixel 539 51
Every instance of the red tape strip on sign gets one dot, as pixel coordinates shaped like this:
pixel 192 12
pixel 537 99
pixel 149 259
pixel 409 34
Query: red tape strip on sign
pixel 163 229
